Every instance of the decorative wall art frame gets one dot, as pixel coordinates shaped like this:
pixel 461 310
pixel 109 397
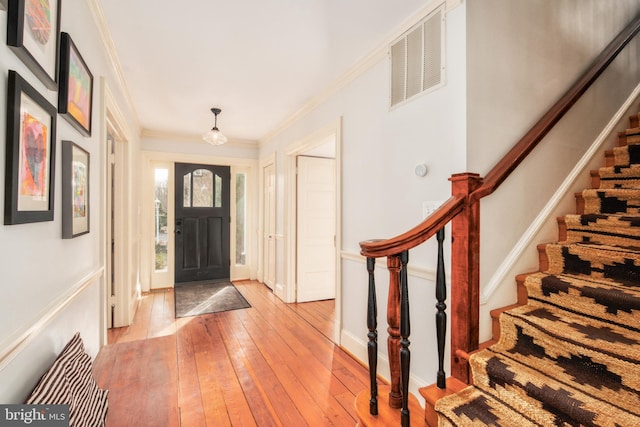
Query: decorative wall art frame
pixel 75 190
pixel 33 28
pixel 30 154
pixel 76 86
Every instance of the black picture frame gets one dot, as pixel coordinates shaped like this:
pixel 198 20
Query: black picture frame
pixel 75 190
pixel 33 34
pixel 75 95
pixel 30 154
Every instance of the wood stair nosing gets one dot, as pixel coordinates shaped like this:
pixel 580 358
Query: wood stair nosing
pixel 432 394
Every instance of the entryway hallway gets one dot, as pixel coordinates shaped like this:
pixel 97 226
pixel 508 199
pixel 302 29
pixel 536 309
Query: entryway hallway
pixel 269 365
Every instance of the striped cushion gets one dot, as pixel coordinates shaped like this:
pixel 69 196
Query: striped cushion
pixel 70 381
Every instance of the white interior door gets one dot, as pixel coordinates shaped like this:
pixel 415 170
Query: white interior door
pixel 316 229
pixel 269 221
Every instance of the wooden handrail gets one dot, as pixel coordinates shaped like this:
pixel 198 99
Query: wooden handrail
pixel 462 209
pixel 417 235
pixel 441 216
pixel 530 140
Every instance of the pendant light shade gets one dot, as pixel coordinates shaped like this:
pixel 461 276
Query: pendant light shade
pixel 214 136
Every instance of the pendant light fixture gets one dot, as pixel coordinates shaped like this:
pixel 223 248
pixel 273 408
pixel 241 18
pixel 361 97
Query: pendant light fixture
pixel 214 136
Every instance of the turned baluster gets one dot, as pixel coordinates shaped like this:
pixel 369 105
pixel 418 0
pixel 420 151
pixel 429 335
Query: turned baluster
pixel 393 329
pixel 372 346
pixel 441 314
pixel 405 331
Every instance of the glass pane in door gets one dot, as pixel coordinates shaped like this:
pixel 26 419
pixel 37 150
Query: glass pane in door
pixel 241 189
pixel 160 215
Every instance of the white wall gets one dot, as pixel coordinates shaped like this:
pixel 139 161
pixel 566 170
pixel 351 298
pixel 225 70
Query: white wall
pixel 40 270
pixel 521 57
pixel 381 195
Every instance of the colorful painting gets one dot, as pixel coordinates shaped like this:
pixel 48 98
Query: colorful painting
pixel 79 189
pixel 75 190
pixel 76 87
pixel 32 34
pixel 38 14
pixel 79 96
pixel 30 154
pixel 34 158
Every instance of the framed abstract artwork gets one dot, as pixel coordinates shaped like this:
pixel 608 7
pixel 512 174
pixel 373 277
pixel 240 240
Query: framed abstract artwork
pixel 33 28
pixel 76 86
pixel 30 154
pixel 75 190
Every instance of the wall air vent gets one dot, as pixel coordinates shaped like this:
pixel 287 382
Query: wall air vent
pixel 417 61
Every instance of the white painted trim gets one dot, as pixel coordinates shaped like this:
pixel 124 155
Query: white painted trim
pixel 546 214
pixel 176 136
pixel 105 34
pixel 165 156
pixel 157 279
pixel 360 67
pixel 248 270
pixel 267 161
pixel 419 272
pixel 16 343
pixel 236 165
pixel 358 349
pixel 290 205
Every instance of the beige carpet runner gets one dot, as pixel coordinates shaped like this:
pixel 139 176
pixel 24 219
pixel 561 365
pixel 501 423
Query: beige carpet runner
pixel 571 356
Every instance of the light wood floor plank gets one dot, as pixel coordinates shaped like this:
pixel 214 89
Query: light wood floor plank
pixel 272 364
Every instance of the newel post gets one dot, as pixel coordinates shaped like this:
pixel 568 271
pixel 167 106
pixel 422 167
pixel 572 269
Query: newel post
pixel 465 274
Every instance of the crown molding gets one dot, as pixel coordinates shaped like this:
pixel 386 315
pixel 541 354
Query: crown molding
pixel 98 16
pixel 177 136
pixel 361 66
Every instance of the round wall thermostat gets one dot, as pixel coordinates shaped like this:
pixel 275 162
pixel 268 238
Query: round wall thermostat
pixel 421 169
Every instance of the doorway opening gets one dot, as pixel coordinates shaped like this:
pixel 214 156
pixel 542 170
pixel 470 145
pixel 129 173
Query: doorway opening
pixel 299 218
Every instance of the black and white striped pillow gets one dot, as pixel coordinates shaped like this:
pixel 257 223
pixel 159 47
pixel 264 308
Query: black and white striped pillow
pixel 70 381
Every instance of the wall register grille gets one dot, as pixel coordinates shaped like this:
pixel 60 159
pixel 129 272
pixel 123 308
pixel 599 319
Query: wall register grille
pixel 417 63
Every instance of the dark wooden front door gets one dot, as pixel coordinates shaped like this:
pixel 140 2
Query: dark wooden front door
pixel 202 222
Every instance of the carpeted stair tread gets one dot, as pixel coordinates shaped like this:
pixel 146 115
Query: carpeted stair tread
pixel 619 230
pixel 608 300
pixel 600 360
pixel 571 355
pixel 612 201
pixel 472 407
pixel 626 155
pixel 524 387
pixel 619 177
pixel 599 261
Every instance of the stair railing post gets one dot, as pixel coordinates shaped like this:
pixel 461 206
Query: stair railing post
pixel 372 346
pixel 393 329
pixel 465 274
pixel 405 331
pixel 441 314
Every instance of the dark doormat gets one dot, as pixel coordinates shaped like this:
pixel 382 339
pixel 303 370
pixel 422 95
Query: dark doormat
pixel 192 299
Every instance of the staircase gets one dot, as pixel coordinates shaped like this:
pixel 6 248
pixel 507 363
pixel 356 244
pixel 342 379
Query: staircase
pixel 570 355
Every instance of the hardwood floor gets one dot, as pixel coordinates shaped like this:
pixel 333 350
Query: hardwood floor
pixel 269 365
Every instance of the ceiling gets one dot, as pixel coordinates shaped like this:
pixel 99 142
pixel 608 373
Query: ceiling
pixel 260 61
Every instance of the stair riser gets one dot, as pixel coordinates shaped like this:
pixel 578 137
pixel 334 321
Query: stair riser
pixel 615 303
pixel 602 229
pixel 502 377
pixel 583 260
pixel 612 201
